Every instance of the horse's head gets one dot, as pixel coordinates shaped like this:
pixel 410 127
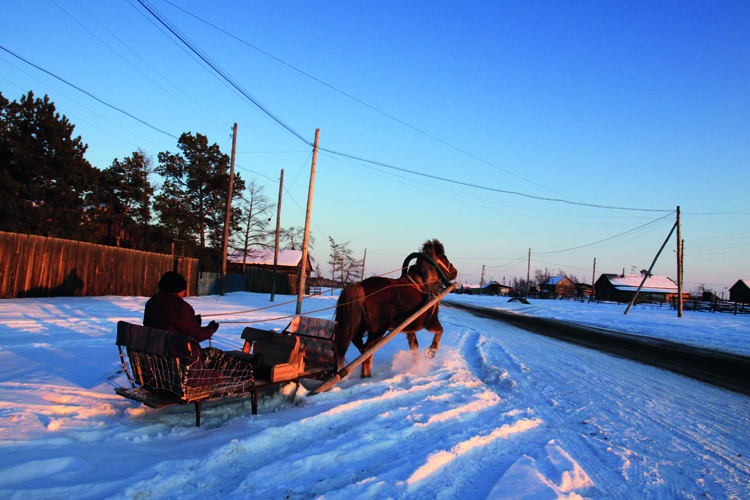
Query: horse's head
pixel 436 251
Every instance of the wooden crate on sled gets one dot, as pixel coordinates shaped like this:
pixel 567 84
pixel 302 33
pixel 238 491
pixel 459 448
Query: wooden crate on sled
pixel 305 349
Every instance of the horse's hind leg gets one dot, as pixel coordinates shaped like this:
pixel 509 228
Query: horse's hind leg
pixel 437 330
pixel 367 364
pixel 412 338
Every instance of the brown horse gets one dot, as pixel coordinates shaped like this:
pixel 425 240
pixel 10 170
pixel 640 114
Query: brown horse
pixel 377 305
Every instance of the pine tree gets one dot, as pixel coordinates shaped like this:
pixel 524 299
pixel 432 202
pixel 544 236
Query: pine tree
pixel 192 202
pixel 47 186
pixel 126 192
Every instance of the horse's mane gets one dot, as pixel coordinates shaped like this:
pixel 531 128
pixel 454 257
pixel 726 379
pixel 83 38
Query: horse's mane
pixel 426 271
pixel 433 246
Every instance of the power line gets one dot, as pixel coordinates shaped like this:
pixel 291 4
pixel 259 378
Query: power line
pixel 280 122
pixel 72 115
pixel 606 239
pixel 140 58
pixel 361 101
pixel 173 29
pixel 462 183
pixel 85 92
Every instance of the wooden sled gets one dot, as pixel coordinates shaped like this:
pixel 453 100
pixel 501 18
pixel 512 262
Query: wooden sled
pixel 165 371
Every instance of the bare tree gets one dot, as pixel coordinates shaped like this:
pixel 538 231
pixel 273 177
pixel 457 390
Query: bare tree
pixel 342 263
pixel 254 219
pixel 539 276
pixel 293 237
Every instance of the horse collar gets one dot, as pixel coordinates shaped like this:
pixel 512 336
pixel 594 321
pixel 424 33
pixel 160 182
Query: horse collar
pixel 414 283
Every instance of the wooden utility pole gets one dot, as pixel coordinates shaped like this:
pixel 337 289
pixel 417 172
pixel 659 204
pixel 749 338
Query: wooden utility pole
pixel 278 229
pixel 229 214
pixel 679 264
pixel 528 275
pixel 363 264
pixel 593 280
pixel 303 266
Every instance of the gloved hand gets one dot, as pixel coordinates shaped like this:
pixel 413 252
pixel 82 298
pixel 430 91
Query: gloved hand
pixel 213 325
pixel 199 319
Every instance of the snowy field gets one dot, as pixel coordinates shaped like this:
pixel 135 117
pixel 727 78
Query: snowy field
pixel 718 331
pixel 499 413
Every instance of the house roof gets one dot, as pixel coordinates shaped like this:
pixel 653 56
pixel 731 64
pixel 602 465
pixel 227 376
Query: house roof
pixel 631 282
pixel 553 280
pixel 495 283
pixel 741 282
pixel 265 257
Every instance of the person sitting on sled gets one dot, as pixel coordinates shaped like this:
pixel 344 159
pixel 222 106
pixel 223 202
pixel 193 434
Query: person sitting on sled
pixel 167 310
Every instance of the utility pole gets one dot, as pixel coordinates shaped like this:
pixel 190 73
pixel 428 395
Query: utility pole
pixel 679 264
pixel 528 275
pixel 229 214
pixel 303 266
pixel 363 264
pixel 593 280
pixel 278 229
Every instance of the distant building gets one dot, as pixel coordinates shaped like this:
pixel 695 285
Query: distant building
pixel 491 288
pixel 289 261
pixel 557 286
pixel 622 288
pixel 740 292
pixel 495 288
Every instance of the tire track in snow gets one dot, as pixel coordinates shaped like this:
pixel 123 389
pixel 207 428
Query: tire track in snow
pixel 610 405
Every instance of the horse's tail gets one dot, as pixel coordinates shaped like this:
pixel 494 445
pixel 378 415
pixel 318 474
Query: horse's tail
pixel 350 312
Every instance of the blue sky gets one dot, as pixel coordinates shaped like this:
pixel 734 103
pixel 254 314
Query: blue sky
pixel 642 105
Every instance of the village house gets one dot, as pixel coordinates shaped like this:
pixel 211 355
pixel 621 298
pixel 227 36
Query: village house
pixel 288 262
pixel 557 286
pixel 740 292
pixel 622 288
pixel 491 288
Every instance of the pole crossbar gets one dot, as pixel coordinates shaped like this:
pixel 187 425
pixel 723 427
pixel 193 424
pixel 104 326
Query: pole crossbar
pixel 367 354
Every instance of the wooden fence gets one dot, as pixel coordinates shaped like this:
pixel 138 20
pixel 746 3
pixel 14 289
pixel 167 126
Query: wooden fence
pixel 35 266
pixel 254 280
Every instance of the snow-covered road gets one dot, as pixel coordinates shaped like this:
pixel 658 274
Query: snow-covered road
pixel 499 413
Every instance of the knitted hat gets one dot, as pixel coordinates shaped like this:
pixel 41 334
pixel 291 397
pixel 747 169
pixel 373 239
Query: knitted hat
pixel 172 282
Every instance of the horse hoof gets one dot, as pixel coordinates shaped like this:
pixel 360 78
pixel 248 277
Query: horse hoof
pixel 365 376
pixel 430 353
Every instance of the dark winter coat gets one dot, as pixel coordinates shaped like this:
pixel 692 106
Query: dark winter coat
pixel 168 311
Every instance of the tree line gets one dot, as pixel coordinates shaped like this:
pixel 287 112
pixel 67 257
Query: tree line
pixel 50 189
